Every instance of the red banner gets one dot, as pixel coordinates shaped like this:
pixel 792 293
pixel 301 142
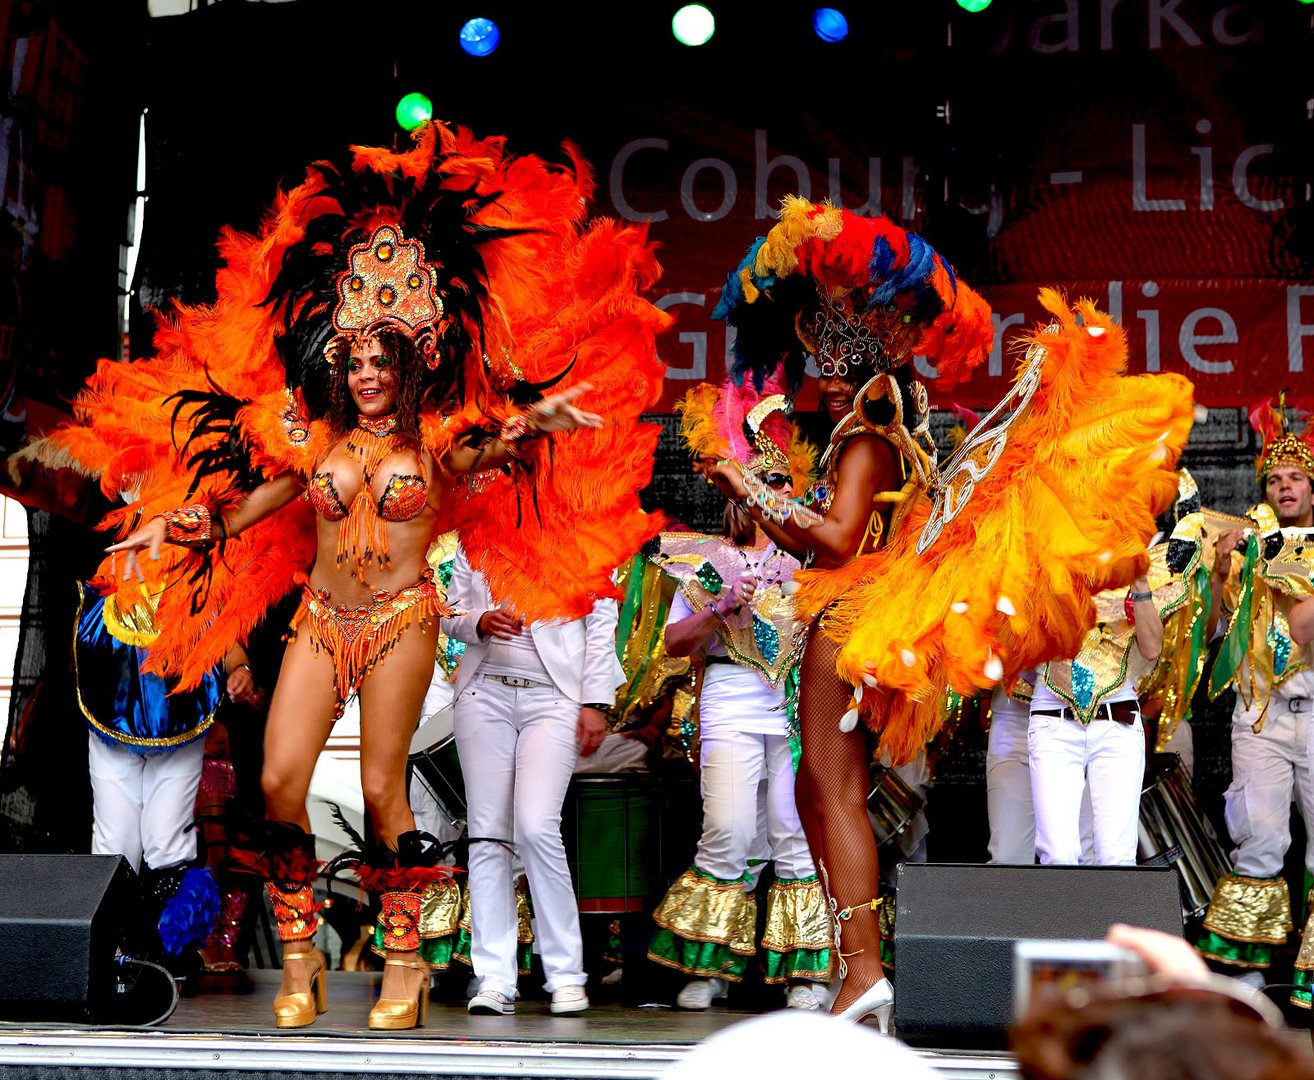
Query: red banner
pixel 1238 340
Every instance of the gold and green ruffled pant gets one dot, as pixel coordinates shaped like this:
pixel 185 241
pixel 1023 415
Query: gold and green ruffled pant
pixel 706 928
pixel 1302 993
pixel 445 926
pixel 1247 918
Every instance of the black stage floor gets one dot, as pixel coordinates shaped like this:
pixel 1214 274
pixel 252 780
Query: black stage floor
pixel 225 1034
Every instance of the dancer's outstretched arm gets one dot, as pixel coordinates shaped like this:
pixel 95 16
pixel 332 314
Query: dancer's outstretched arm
pixel 555 413
pixel 866 465
pixel 269 497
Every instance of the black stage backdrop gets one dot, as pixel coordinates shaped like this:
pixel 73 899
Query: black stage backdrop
pixel 1154 154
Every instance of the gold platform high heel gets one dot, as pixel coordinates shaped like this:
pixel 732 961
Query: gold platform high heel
pixel 292 869
pixel 300 1009
pixel 397 1014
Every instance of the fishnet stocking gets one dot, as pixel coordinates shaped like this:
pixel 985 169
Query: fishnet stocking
pixel 831 789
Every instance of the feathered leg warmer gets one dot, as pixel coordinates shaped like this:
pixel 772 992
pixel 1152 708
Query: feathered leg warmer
pixel 292 869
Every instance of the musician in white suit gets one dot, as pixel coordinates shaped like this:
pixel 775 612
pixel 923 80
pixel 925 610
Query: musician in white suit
pixel 529 700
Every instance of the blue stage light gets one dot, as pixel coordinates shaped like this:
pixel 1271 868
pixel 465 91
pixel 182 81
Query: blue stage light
pixel 830 24
pixel 479 37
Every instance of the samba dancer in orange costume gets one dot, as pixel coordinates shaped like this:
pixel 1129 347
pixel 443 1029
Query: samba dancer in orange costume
pixel 921 577
pixel 392 329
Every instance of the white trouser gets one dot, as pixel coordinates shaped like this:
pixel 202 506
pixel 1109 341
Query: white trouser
pixel 1268 771
pixel 1008 790
pixel 144 805
pixel 742 774
pixel 1066 757
pixel 1009 809
pixel 518 750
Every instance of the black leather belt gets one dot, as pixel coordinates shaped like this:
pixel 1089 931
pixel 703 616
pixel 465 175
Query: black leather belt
pixel 1120 712
pixel 719 659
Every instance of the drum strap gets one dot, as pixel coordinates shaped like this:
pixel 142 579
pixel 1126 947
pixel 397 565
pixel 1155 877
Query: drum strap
pixel 491 840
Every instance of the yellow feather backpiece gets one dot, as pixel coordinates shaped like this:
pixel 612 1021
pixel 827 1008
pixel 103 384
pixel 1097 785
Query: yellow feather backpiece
pixel 1066 512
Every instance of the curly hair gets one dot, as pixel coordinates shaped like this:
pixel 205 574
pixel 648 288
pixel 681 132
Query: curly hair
pixel 411 389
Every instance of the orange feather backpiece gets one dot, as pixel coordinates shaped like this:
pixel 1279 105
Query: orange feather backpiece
pixel 558 294
pixel 1065 513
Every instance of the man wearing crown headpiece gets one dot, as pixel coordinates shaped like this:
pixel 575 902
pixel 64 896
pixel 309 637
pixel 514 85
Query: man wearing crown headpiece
pixel 1263 606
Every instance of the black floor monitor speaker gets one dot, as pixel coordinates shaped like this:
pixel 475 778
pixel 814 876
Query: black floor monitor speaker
pixel 61 919
pixel 955 927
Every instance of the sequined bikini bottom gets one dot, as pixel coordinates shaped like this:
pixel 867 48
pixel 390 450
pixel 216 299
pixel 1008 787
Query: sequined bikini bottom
pixel 358 638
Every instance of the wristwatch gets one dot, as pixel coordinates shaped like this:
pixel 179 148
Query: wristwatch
pixel 600 706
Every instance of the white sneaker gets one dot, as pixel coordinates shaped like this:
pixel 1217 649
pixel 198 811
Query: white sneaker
pixel 614 977
pixel 700 993
pixel 1253 979
pixel 491 1003
pixel 806 995
pixel 568 999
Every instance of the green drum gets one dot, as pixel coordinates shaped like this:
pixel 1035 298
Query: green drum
pixel 611 826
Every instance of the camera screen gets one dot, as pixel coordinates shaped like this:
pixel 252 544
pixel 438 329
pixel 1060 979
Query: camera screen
pixel 1045 970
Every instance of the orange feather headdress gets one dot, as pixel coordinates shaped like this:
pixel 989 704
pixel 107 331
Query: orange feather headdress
pixel 508 287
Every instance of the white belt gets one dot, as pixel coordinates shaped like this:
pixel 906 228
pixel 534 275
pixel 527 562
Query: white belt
pixel 516 681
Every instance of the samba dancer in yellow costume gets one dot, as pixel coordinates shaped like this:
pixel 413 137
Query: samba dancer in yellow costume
pixel 924 577
pixel 1263 584
pixel 733 612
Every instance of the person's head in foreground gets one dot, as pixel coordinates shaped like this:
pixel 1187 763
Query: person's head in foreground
pixel 793 1043
pixel 1180 1022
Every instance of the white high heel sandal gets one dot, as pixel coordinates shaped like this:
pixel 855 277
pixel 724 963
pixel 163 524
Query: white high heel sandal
pixel 877 1001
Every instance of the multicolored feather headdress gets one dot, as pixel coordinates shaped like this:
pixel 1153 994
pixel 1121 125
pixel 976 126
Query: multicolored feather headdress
pixel 747 425
pixel 860 294
pixel 1279 444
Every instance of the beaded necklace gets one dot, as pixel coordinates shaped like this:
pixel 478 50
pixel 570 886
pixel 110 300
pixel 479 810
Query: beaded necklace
pixel 363 534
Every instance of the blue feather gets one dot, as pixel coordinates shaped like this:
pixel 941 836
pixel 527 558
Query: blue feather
pixel 191 912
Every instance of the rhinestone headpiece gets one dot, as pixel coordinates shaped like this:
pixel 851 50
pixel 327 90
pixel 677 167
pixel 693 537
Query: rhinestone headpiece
pixel 1279 445
pixel 771 456
pixel 1287 449
pixel 853 345
pixel 388 282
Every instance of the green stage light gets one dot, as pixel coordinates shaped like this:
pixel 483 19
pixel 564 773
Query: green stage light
pixel 974 5
pixel 693 24
pixel 413 110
